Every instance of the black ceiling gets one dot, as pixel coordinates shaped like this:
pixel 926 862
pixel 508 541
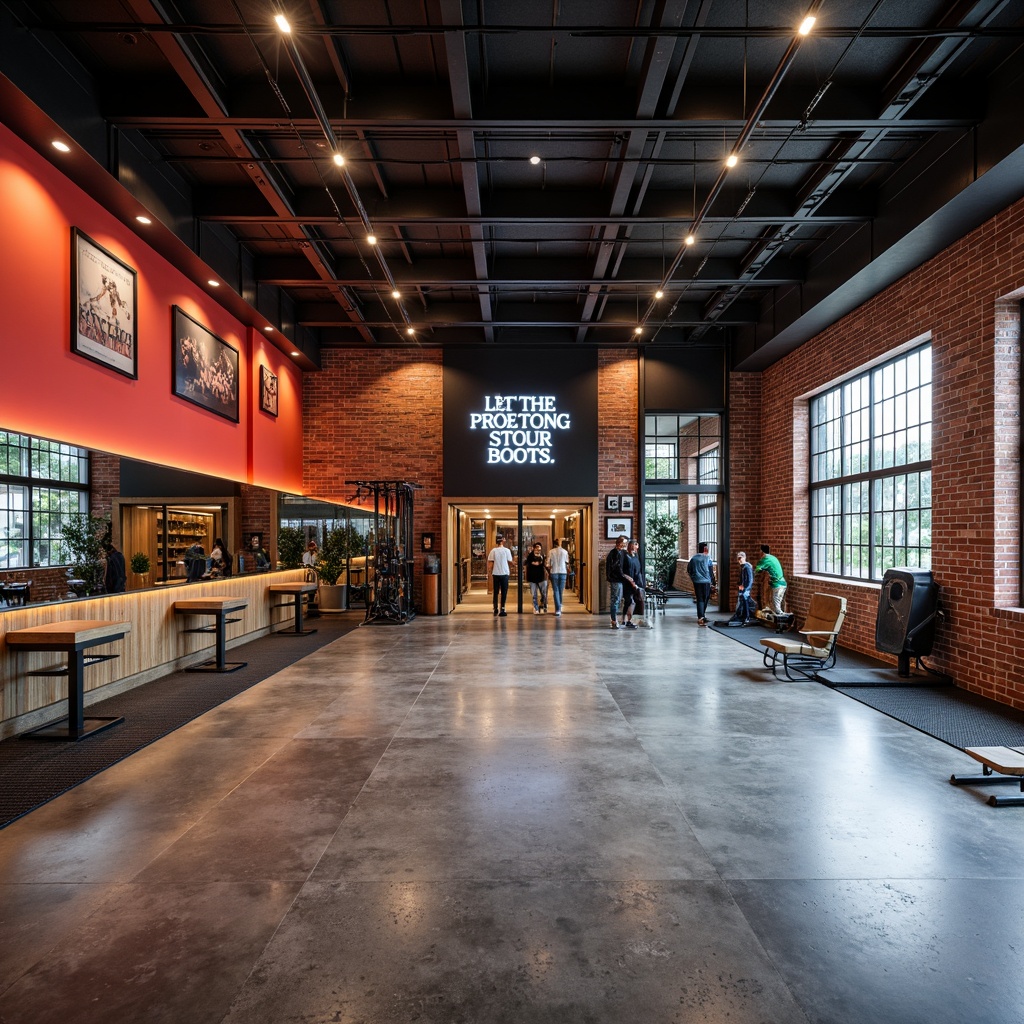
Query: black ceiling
pixel 863 149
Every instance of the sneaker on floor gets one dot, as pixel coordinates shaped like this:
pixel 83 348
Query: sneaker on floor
pixel 501 613
pixel 614 625
pixel 631 625
pixel 495 611
pixel 557 614
pixel 536 611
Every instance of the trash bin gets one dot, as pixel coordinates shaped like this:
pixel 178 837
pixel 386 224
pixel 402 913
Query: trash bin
pixel 431 585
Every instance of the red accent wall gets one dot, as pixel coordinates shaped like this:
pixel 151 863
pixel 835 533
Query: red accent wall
pixel 968 298
pixel 51 392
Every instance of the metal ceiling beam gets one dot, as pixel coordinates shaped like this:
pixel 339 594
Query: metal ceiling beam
pixel 187 64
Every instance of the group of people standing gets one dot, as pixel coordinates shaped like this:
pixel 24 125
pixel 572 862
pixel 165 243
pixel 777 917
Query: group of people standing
pixel 540 570
pixel 701 570
pixel 626 584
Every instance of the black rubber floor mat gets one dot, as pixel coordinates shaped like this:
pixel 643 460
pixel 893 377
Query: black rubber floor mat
pixel 33 772
pixel 955 716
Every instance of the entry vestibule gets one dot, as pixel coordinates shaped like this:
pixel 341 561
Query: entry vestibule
pixel 472 526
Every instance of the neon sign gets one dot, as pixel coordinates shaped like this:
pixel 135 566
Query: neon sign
pixel 521 428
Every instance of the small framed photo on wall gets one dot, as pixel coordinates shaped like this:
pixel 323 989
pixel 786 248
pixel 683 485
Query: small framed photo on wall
pixel 618 526
pixel 626 503
pixel 427 541
pixel 268 391
pixel 611 503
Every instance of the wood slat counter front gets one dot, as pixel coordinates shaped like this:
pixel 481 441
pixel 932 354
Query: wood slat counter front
pixel 155 647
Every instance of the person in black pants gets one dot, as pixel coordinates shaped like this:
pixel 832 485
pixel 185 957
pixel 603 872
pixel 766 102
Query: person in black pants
pixel 702 572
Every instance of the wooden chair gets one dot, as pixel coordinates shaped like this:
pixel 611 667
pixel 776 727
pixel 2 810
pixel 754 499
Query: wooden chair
pixel 817 649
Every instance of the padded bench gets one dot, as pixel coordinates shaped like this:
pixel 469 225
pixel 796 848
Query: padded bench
pixel 1006 762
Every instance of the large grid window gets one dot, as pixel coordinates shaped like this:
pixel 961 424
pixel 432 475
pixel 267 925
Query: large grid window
pixel 707 501
pixel 674 445
pixel 42 484
pixel 871 479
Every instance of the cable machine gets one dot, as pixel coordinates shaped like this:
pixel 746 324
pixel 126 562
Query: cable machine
pixel 389 552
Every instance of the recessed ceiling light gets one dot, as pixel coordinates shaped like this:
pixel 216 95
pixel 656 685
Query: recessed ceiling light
pixel 295 353
pixel 213 284
pixel 62 146
pixel 269 330
pixel 372 239
pixel 143 219
pixel 732 161
pixel 339 159
pixel 410 331
pixel 282 23
pixel 690 239
pixel 659 294
pixel 807 24
pixel 396 294
pixel 534 160
pixel 638 330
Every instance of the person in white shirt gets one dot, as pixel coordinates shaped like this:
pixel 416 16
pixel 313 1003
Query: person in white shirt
pixel 558 568
pixel 499 567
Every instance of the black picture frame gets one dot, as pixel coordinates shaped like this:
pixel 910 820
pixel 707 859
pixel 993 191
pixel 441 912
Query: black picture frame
pixel 427 541
pixel 104 307
pixel 618 526
pixel 611 503
pixel 268 391
pixel 205 367
pixel 626 503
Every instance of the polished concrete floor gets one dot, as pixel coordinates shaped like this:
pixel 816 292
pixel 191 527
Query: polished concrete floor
pixel 526 819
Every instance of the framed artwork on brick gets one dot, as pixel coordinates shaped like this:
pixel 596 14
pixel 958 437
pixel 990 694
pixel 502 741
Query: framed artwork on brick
pixel 626 503
pixel 618 526
pixel 611 503
pixel 205 370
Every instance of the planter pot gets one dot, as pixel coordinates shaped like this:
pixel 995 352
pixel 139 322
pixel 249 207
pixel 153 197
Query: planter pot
pixel 333 599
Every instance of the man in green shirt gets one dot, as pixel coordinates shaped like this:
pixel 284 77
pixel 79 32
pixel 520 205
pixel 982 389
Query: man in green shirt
pixel 776 581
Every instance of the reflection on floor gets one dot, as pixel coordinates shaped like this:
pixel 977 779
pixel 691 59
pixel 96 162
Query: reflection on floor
pixel 478 600
pixel 471 820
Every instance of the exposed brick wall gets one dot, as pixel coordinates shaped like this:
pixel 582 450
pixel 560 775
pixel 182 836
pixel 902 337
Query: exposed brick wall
pixel 955 296
pixel 745 462
pixel 257 516
pixel 104 481
pixel 617 441
pixel 376 415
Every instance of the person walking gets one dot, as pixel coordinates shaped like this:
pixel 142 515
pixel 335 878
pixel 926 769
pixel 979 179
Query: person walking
pixel 614 572
pixel 558 570
pixel 499 566
pixel 746 606
pixel 776 581
pixel 536 576
pixel 701 571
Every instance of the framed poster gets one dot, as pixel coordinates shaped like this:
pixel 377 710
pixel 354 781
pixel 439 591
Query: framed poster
pixel 427 541
pixel 268 391
pixel 611 503
pixel 626 503
pixel 205 367
pixel 619 526
pixel 104 306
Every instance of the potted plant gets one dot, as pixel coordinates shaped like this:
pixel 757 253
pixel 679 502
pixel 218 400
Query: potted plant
pixel 291 543
pixel 140 565
pixel 81 545
pixel 338 546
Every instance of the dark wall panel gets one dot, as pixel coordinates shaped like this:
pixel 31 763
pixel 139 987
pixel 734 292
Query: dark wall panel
pixel 684 380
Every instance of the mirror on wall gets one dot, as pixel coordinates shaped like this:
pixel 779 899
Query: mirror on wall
pixel 170 525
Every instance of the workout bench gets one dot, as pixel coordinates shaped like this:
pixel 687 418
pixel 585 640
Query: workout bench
pixel 1008 762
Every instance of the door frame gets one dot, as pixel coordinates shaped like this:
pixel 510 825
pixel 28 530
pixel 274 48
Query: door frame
pixel 585 506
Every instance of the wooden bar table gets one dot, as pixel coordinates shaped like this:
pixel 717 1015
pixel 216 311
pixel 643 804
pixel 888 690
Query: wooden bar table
pixel 73 638
pixel 299 591
pixel 219 608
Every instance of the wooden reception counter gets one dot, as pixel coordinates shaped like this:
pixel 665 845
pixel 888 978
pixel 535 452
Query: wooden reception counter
pixel 155 646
